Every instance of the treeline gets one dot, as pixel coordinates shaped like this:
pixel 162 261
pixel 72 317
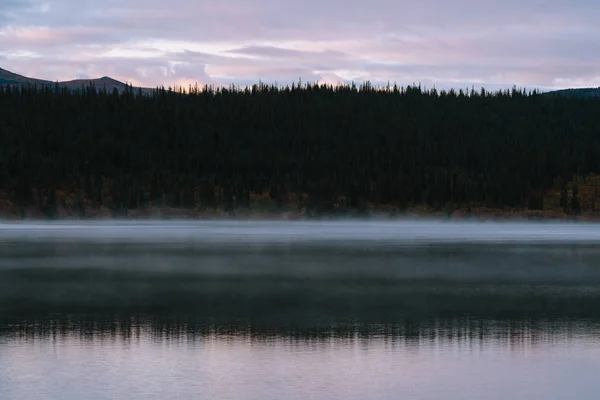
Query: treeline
pixel 325 146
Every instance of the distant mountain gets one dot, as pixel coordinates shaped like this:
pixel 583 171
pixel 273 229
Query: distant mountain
pixel 579 93
pixel 12 79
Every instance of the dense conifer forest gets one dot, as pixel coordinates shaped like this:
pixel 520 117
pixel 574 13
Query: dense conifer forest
pixel 317 147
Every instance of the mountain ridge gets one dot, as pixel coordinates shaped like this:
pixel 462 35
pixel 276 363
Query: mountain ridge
pixel 108 83
pixel 577 92
pixel 105 82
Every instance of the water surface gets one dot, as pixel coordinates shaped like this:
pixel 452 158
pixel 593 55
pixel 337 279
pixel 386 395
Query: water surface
pixel 297 310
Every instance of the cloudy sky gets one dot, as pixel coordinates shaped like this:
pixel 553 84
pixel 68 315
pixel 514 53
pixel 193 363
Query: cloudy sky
pixel 446 43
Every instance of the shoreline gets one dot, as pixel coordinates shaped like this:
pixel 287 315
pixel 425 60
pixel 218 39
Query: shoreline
pixel 375 213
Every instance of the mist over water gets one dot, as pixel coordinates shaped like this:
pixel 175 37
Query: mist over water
pixel 233 231
pixel 307 269
pixel 249 309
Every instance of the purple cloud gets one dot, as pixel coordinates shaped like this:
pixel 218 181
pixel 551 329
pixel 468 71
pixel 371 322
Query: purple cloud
pixel 533 43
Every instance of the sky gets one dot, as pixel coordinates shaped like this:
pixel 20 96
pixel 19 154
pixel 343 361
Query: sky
pixel 443 43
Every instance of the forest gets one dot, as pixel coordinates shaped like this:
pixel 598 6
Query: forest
pixel 309 146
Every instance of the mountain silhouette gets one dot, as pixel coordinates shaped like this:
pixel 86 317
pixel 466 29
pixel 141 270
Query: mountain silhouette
pixel 107 83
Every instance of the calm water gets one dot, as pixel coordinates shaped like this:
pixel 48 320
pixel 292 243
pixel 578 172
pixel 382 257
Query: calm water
pixel 299 310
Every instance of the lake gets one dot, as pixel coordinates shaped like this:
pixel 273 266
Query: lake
pixel 299 310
